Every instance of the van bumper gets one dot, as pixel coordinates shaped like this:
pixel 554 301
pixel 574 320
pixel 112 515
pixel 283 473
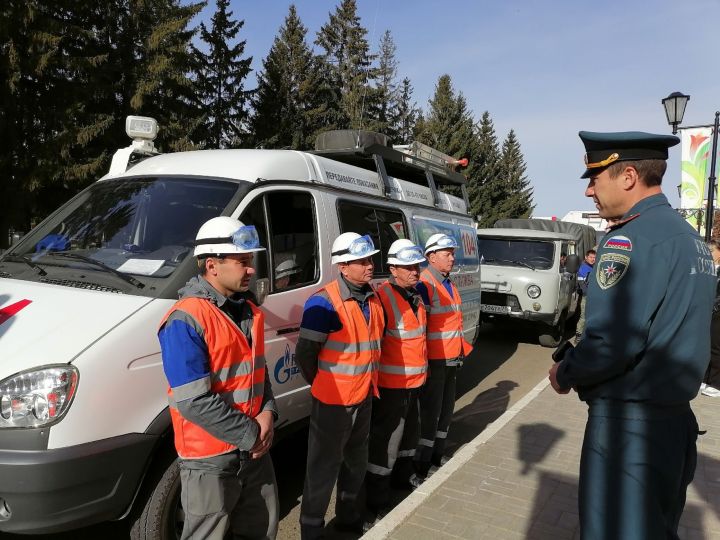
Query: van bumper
pixel 47 491
pixel 531 316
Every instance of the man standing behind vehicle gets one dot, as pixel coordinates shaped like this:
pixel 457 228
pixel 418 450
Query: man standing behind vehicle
pixel 403 367
pixel 221 401
pixel 645 347
pixel 337 353
pixel 446 347
pixel 582 283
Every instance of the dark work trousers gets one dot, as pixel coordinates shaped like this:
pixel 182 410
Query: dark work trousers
pixel 636 464
pixel 712 376
pixel 394 419
pixel 436 402
pixel 337 450
pixel 226 493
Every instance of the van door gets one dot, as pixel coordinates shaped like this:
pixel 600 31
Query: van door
pixel 287 221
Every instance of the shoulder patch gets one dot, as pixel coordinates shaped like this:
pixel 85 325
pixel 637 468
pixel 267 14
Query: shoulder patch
pixel 611 268
pixel 619 242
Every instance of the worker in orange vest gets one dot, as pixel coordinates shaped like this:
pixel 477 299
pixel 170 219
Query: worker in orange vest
pixel 221 402
pixel 403 367
pixel 447 348
pixel 337 353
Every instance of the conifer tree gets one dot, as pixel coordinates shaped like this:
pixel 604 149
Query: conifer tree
pixel 407 115
pixel 347 61
pixel 485 190
pixel 448 127
pixel 384 101
pixel 518 201
pixel 286 90
pixel 220 79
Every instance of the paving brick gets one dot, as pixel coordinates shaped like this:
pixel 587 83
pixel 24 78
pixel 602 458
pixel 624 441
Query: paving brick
pixel 522 482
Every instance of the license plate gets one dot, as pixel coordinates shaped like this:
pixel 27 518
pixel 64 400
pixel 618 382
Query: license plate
pixel 489 308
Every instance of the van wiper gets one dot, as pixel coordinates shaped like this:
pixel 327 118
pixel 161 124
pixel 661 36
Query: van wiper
pixel 131 280
pixel 39 269
pixel 512 261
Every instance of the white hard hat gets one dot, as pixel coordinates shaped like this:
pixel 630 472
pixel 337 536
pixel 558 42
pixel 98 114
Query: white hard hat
pixel 439 241
pixel 225 235
pixel 404 253
pixel 351 246
pixel 286 268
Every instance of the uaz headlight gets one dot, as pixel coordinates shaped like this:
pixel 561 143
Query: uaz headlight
pixel 37 397
pixel 533 291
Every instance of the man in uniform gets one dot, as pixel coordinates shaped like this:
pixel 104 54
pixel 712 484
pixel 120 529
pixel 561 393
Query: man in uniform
pixel 221 401
pixel 582 284
pixel 446 347
pixel 337 353
pixel 645 347
pixel 403 366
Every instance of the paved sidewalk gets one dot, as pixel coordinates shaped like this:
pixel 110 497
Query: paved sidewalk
pixel 518 479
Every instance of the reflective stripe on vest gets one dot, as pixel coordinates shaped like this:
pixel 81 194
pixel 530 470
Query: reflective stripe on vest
pixel 445 338
pixel 403 356
pixel 237 373
pixel 347 361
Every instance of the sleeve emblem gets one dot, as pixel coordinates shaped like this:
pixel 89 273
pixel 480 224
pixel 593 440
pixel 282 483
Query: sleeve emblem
pixel 611 268
pixel 619 242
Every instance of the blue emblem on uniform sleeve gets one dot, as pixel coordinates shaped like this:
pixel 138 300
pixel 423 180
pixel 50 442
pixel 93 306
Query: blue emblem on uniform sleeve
pixel 611 268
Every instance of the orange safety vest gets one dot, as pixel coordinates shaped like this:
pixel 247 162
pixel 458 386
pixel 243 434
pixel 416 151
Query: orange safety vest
pixel 347 361
pixel 237 371
pixel 403 352
pixel 445 339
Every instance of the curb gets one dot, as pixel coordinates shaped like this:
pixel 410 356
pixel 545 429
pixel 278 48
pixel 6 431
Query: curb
pixel 395 518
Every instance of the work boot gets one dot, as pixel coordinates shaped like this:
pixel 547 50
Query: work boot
pixel 415 481
pixel 439 461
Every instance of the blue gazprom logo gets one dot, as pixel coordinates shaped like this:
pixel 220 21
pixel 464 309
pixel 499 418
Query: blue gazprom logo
pixel 285 367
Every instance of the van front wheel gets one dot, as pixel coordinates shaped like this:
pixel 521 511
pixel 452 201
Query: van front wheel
pixel 159 515
pixel 555 334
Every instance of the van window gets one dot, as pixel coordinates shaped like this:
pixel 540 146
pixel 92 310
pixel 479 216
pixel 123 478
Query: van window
pixel 285 221
pixel 536 254
pixel 384 227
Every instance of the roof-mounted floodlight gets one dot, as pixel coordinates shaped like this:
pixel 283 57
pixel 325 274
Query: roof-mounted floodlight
pixel 141 128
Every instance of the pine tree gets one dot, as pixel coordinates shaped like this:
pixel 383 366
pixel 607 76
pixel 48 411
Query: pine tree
pixel 485 190
pixel 448 127
pixel 348 59
pixel 407 115
pixel 518 202
pixel 286 89
pixel 384 99
pixel 220 77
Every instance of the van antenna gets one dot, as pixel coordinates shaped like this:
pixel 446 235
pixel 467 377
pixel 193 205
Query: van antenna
pixel 367 81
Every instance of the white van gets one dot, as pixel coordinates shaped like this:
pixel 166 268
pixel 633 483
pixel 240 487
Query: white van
pixel 85 434
pixel 524 279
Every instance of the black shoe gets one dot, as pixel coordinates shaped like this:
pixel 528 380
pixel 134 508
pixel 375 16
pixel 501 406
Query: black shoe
pixel 439 462
pixel 415 481
pixel 355 527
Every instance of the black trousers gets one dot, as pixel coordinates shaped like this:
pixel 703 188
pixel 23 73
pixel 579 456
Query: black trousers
pixel 337 450
pixel 712 376
pixel 636 464
pixel 393 429
pixel 436 403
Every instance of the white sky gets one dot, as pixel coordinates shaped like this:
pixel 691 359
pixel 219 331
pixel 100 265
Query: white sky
pixel 546 69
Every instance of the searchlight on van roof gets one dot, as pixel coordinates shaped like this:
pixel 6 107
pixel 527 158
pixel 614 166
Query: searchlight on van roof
pixel 141 127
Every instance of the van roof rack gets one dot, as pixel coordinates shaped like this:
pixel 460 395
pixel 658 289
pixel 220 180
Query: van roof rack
pixel 416 162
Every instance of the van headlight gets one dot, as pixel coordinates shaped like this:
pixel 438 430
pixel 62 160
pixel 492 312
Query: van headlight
pixel 533 291
pixel 37 397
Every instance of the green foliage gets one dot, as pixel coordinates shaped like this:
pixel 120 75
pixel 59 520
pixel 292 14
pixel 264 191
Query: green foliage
pixel 347 62
pixel 288 91
pixel 219 80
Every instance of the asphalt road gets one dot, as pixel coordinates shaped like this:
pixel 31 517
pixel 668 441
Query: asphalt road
pixel 504 366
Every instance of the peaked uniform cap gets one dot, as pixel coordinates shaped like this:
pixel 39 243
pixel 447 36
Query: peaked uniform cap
pixel 604 149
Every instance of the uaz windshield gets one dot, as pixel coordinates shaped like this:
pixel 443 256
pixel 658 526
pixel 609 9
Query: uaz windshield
pixel 535 254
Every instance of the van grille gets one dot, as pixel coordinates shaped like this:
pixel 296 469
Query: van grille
pixel 494 299
pixel 81 285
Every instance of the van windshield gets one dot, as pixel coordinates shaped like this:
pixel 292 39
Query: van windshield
pixel 127 232
pixel 535 254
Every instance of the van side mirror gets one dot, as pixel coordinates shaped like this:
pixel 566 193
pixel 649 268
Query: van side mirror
pixel 259 281
pixel 262 288
pixel 572 264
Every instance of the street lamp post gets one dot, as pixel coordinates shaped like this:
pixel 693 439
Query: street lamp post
pixel 675 105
